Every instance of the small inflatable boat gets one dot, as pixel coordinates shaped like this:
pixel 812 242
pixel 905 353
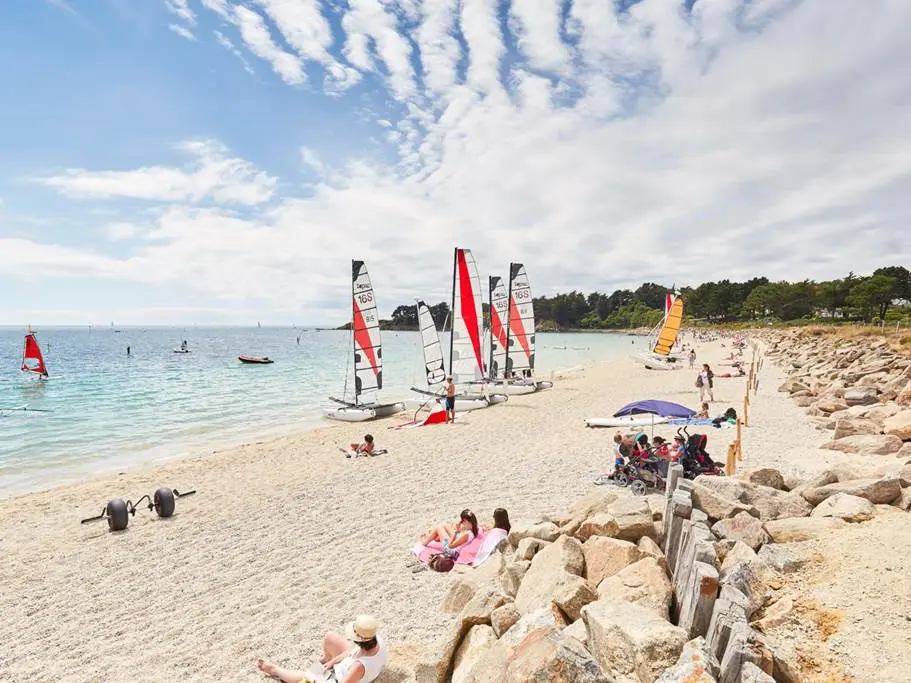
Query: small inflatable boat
pixel 265 360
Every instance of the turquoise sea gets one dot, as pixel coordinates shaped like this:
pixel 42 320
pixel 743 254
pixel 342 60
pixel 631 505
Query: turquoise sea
pixel 112 411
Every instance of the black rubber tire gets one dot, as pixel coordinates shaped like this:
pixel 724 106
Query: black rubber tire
pixel 638 487
pixel 118 517
pixel 164 502
pixel 621 479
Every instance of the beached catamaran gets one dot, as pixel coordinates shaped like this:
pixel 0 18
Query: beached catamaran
pixel 368 356
pixel 32 360
pixel 659 356
pixel 466 364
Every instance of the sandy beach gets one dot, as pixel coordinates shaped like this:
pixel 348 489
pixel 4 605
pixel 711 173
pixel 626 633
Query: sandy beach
pixel 286 538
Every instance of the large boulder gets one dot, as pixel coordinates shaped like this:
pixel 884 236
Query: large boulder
pixel 528 547
pixel 877 491
pixel 634 518
pixel 899 425
pixel 572 594
pixel 546 655
pixel 546 531
pixel 881 412
pixel 512 576
pixel 765 476
pixel 903 398
pixel 548 570
pixel 477 641
pixel 742 527
pixel 740 552
pixel 716 506
pixel 770 503
pixel 866 444
pixel 643 583
pixel 830 405
pixel 695 665
pixel 601 524
pixel 631 642
pixel 802 528
pixel 460 592
pixel 585 507
pixel 792 386
pixel 786 558
pixel 904 501
pixel 847 427
pixel 847 507
pixel 503 618
pixel 861 396
pixel 605 557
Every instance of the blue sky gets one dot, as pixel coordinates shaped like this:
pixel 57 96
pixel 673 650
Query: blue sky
pixel 216 161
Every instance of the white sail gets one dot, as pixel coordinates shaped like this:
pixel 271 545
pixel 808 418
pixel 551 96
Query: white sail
pixel 365 326
pixel 499 310
pixel 433 351
pixel 465 355
pixel 520 333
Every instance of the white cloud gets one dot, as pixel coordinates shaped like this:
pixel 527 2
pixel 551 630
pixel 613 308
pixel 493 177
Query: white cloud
pixel 181 8
pixel 733 141
pixel 220 7
pixel 257 38
pixel 214 175
pixel 226 43
pixel 121 231
pixel 369 20
pixel 182 32
pixel 536 24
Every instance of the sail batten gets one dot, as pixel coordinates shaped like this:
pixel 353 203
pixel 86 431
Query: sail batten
pixel 499 310
pixel 667 337
pixel 465 355
pixel 520 359
pixel 365 326
pixel 32 360
pixel 433 350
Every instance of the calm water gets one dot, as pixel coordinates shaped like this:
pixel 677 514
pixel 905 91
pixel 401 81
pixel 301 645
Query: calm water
pixel 111 411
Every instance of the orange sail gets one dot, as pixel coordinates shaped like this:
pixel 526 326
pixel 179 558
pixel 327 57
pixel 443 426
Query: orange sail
pixel 32 360
pixel 668 335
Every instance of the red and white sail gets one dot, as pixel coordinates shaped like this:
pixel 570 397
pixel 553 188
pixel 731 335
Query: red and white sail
pixel 520 333
pixel 499 311
pixel 365 325
pixel 433 350
pixel 32 360
pixel 465 354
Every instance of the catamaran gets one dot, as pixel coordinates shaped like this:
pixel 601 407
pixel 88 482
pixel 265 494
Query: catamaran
pixel 368 356
pixel 659 356
pixel 466 365
pixel 498 341
pixel 32 360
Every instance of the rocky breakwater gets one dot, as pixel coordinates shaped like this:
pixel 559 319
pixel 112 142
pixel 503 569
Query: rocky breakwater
pixel 857 389
pixel 681 587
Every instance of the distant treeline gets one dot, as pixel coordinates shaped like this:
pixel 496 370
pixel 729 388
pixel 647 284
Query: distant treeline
pixel 884 295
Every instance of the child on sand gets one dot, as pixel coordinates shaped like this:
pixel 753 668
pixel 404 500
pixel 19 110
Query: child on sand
pixel 704 412
pixel 453 536
pixel 360 449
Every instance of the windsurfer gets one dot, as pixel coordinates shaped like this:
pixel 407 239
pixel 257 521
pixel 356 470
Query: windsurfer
pixel 183 345
pixel 450 400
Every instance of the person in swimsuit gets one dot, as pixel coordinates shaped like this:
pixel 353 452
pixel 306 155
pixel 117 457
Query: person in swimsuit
pixel 450 400
pixel 456 535
pixel 358 659
pixel 359 449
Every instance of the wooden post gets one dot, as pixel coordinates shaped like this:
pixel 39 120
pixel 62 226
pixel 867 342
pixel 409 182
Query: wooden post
pixel 739 442
pixel 730 466
pixel 746 410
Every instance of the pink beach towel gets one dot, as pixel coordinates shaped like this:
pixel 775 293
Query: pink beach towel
pixel 467 552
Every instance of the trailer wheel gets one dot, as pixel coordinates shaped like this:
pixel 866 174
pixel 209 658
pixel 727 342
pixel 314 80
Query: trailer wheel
pixel 638 487
pixel 164 502
pixel 118 518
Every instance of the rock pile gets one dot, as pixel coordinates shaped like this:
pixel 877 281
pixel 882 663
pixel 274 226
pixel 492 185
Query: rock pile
pixel 860 390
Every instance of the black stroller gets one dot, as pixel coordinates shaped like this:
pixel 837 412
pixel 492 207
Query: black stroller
pixel 696 460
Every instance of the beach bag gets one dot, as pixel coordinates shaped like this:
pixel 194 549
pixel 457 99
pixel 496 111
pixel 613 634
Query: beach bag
pixel 699 381
pixel 441 562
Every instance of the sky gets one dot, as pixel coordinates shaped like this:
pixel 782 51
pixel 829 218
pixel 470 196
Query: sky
pixel 222 161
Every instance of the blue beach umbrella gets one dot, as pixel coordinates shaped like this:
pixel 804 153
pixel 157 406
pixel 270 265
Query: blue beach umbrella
pixel 655 407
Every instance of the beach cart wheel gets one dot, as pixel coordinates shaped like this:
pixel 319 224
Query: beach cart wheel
pixel 638 487
pixel 117 514
pixel 164 502
pixel 620 479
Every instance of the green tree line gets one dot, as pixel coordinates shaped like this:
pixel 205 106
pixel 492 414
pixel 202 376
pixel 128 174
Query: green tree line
pixel 884 295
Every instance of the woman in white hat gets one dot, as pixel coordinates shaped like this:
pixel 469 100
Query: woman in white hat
pixel 359 659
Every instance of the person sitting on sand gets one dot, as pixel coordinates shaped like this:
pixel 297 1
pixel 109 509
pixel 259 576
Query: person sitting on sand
pixel 676 450
pixel 453 536
pixel 359 659
pixel 500 521
pixel 359 449
pixel 660 448
pixel 495 531
pixel 704 411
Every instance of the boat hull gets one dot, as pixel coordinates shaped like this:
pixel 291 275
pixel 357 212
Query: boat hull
pixel 513 388
pixel 653 362
pixel 626 421
pixel 249 360
pixel 351 414
pixel 543 384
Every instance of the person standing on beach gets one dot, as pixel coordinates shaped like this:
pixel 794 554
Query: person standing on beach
pixel 692 358
pixel 705 384
pixel 450 400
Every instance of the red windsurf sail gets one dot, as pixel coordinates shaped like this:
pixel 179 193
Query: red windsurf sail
pixel 32 360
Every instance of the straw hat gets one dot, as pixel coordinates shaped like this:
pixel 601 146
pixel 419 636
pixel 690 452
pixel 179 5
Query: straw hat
pixel 361 629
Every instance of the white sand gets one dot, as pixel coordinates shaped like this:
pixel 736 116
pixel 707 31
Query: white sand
pixel 286 539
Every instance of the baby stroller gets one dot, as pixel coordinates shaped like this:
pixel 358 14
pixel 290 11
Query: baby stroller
pixel 644 474
pixel 696 460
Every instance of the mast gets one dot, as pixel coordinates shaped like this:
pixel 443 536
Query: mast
pixel 354 269
pixel 507 366
pixel 455 266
